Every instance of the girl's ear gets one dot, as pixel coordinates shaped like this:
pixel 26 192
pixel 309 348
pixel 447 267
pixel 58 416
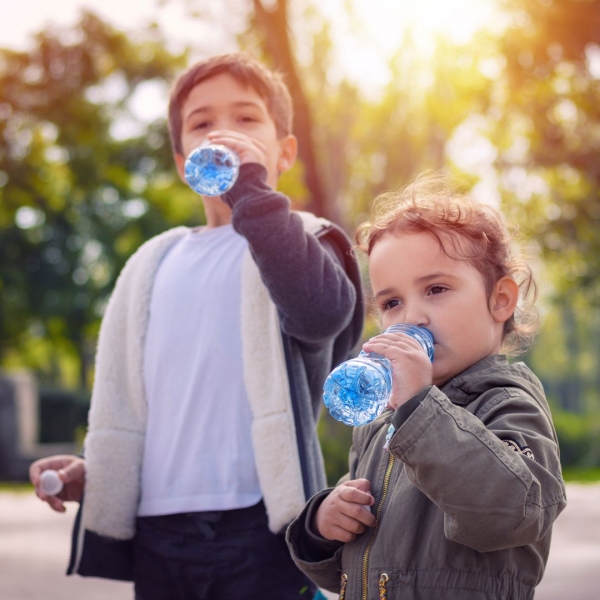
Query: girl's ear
pixel 504 298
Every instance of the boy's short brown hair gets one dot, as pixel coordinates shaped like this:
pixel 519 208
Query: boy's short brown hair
pixel 247 71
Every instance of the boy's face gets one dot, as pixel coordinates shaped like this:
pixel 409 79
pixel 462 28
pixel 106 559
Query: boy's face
pixel 415 282
pixel 242 120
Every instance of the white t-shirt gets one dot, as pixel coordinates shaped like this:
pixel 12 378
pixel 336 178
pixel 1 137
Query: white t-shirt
pixel 198 453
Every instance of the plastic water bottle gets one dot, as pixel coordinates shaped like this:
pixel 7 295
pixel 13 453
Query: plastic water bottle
pixel 358 390
pixel 50 483
pixel 211 169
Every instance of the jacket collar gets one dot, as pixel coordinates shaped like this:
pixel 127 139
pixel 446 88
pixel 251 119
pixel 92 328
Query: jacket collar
pixel 466 386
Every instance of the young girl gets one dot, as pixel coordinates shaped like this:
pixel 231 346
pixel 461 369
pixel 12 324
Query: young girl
pixel 453 491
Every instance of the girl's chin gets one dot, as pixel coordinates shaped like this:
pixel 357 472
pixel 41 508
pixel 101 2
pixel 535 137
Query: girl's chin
pixel 439 379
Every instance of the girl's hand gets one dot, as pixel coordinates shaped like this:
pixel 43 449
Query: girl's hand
pixel 71 470
pixel 411 368
pixel 248 149
pixel 345 512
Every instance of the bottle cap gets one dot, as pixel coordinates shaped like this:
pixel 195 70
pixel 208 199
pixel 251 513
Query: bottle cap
pixel 50 483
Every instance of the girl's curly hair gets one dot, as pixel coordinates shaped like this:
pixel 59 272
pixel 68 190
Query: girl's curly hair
pixel 466 230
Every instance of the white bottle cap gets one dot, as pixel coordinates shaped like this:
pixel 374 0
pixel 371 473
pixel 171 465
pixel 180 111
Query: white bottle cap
pixel 50 483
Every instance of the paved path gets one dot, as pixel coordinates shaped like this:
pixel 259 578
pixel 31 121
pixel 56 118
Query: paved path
pixel 34 546
pixel 573 570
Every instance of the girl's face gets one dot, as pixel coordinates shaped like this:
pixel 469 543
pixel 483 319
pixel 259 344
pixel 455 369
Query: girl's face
pixel 415 282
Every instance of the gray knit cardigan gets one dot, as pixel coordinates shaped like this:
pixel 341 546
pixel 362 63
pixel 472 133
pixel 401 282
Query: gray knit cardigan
pixel 302 313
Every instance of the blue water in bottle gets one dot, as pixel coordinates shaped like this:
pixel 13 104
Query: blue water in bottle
pixel 358 390
pixel 211 169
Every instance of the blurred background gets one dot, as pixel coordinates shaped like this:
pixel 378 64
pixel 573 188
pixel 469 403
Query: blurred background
pixel 503 94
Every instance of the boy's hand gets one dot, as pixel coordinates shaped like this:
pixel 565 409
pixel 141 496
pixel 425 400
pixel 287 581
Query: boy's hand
pixel 345 512
pixel 71 470
pixel 248 149
pixel 411 368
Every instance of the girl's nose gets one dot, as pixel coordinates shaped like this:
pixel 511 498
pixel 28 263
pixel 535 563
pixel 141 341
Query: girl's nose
pixel 414 315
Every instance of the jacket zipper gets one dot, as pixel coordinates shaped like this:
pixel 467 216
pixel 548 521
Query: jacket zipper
pixel 343 587
pixel 365 561
pixel 383 579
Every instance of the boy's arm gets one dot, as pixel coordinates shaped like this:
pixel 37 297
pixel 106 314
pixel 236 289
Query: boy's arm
pixel 498 480
pixel 71 471
pixel 314 282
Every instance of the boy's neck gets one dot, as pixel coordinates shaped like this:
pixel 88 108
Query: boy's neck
pixel 216 211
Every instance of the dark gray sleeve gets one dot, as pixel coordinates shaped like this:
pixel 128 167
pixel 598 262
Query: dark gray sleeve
pixel 307 277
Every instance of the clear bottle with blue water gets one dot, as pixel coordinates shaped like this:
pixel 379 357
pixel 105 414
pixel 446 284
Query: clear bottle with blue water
pixel 358 390
pixel 211 169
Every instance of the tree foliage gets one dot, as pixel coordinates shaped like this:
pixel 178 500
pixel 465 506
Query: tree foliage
pixel 84 180
pixel 551 107
pixel 548 137
pixel 76 198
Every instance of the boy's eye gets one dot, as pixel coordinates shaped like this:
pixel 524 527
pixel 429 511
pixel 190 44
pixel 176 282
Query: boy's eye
pixel 202 125
pixel 248 119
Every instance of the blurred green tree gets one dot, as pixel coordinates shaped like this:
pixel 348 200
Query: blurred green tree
pixel 84 179
pixel 551 112
pixel 85 176
pixel 354 144
pixel 546 131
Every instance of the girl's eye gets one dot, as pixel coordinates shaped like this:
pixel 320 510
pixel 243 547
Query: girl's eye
pixel 247 119
pixel 389 304
pixel 437 289
pixel 201 125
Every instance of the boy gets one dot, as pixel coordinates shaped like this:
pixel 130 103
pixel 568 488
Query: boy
pixel 210 364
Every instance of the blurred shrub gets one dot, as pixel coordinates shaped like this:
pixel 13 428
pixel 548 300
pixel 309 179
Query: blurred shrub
pixel 62 415
pixel 336 439
pixel 579 439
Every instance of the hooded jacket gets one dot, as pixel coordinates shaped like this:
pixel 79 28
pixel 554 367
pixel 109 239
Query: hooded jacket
pixel 302 314
pixel 465 498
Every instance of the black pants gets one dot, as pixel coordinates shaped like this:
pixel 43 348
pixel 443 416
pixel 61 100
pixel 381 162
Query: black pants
pixel 224 555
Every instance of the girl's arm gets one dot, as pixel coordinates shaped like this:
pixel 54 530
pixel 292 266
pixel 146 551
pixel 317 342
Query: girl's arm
pixel 496 476
pixel 318 558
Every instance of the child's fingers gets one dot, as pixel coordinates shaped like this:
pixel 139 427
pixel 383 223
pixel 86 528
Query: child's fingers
pixel 353 504
pixel 361 484
pixel 36 468
pixel 341 535
pixel 352 520
pixel 359 514
pixel 55 503
pixel 338 520
pixel 247 148
pixel 73 472
pixel 382 344
pixel 354 495
pixel 221 134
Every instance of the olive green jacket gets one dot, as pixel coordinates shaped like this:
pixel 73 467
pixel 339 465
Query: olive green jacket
pixel 465 498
